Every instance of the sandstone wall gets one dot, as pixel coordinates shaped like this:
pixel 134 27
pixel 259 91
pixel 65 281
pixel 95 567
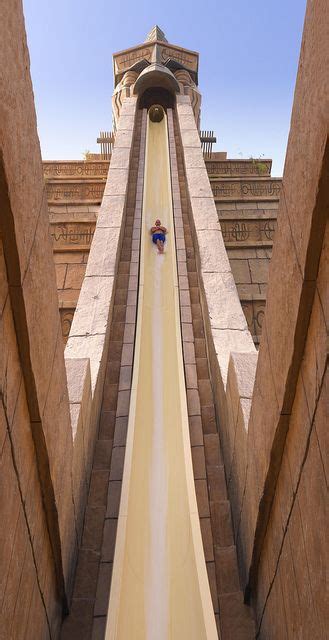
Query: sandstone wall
pixel 272 407
pixel 30 604
pixel 289 415
pixel 37 532
pixel 74 194
pixel 49 407
pixel 290 591
pixel 247 200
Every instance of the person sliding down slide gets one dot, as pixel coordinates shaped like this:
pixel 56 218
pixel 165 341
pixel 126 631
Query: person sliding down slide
pixel 159 235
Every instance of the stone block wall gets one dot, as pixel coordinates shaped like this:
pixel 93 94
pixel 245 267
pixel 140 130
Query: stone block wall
pixel 289 556
pixel 294 556
pixel 74 194
pixel 49 405
pixel 28 584
pixel 272 406
pixel 38 528
pixel 247 200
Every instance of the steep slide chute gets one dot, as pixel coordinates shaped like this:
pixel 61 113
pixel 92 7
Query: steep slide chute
pixel 159 588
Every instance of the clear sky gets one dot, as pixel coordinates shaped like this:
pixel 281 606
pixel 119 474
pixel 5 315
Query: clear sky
pixel 249 52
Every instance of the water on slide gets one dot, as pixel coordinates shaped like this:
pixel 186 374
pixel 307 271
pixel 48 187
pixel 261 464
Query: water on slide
pixel 159 588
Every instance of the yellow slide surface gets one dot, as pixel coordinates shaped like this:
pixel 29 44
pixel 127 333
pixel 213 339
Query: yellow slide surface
pixel 159 586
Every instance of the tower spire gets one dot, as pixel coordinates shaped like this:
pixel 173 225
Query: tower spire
pixel 156 34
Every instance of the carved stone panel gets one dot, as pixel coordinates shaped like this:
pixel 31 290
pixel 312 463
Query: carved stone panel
pixel 72 236
pixel 254 311
pixel 125 60
pixel 238 167
pixel 248 231
pixel 75 192
pixel 76 169
pixel 66 316
pixel 246 189
pixel 187 59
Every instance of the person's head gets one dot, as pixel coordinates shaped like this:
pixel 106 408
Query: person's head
pixel 157 223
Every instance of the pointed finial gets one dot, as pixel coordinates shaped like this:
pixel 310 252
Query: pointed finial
pixel 156 34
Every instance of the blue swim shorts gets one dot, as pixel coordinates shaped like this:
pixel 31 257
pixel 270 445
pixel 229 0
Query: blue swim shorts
pixel 158 236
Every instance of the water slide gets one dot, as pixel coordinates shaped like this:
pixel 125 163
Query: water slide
pixel 160 588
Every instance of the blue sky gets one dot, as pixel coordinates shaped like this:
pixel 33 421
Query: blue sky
pixel 249 54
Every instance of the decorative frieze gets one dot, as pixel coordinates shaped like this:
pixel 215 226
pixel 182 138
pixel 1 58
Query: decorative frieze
pixel 248 231
pixel 125 60
pixel 76 169
pixel 187 59
pixel 75 192
pixel 246 189
pixel 238 167
pixel 68 236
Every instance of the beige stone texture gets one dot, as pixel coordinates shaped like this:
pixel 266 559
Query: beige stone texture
pixel 102 263
pixel 31 326
pixel 255 413
pixel 68 298
pixel 193 156
pixel 280 530
pixel 60 275
pixel 227 324
pixel 190 138
pixel 74 276
pixel 234 433
pixel 259 270
pixel 198 182
pixel 111 211
pixel 204 212
pixel 126 122
pixel 11 374
pixel 228 340
pixel 213 257
pixel 123 139
pixel 247 290
pixel 88 347
pixel 224 307
pixel 116 182
pixel 241 271
pixel 92 312
pixel 187 121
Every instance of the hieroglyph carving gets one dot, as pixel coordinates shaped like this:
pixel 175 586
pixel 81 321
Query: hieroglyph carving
pixel 235 168
pixel 248 230
pixel 182 57
pixel 81 169
pixel 66 322
pixel 250 189
pixel 123 62
pixel 254 311
pixel 75 192
pixel 65 235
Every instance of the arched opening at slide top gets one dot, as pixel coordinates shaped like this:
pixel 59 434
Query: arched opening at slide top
pixel 157 95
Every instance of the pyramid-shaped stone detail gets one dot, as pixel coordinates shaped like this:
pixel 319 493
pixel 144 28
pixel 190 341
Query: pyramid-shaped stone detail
pixel 156 34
